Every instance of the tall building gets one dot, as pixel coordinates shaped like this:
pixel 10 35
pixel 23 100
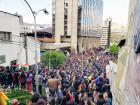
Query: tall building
pixel 77 22
pixel 106 33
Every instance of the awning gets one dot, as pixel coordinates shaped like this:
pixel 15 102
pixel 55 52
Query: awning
pixel 56 45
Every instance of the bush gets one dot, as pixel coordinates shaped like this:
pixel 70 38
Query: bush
pixel 113 49
pixel 55 57
pixel 22 95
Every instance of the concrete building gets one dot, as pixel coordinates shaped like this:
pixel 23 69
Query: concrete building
pixel 126 80
pixel 77 22
pixel 118 32
pixel 12 43
pixel 106 33
pixel 26 28
pixel 104 38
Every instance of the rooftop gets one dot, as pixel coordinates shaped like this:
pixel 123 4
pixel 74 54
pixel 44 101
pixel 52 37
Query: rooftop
pixel 10 13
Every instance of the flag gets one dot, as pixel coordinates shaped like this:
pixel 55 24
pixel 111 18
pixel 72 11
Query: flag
pixel 4 99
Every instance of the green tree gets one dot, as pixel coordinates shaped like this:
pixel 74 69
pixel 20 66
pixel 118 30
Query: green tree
pixel 114 49
pixel 55 57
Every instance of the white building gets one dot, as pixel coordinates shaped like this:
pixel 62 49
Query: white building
pixel 29 28
pixel 25 28
pixel 12 42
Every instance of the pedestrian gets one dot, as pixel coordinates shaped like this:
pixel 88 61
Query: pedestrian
pixel 33 83
pixel 16 80
pixel 108 100
pixel 22 80
pixel 52 83
pixel 40 80
pixel 29 82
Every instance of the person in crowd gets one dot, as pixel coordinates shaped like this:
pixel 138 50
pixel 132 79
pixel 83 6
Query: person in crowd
pixel 22 80
pixel 70 98
pixel 59 94
pixel 81 80
pixel 108 100
pixel 41 102
pixel 16 79
pixel 100 100
pixel 35 98
pixel 40 80
pixel 34 82
pixel 53 101
pixel 52 84
pixel 14 102
pixel 44 80
pixel 29 82
pixel 9 78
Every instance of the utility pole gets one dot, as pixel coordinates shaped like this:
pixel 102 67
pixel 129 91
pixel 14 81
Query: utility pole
pixel 35 35
pixel 26 47
pixel 50 59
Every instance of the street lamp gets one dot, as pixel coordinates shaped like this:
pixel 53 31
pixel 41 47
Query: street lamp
pixel 35 34
pixel 50 59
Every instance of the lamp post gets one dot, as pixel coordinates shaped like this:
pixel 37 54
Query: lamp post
pixel 35 35
pixel 50 60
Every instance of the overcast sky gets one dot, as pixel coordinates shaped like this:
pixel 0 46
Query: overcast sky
pixel 117 9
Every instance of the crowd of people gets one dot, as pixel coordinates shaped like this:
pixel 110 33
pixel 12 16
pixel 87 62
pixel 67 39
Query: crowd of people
pixel 19 78
pixel 81 80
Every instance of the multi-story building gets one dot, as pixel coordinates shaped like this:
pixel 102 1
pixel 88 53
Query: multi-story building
pixel 104 38
pixel 106 33
pixel 77 22
pixel 13 47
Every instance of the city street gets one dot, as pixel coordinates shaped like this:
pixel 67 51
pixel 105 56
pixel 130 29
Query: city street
pixel 69 52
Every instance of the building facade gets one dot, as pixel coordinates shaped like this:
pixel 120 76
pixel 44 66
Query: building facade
pixel 106 33
pixel 104 38
pixel 29 28
pixel 75 20
pixel 126 82
pixel 12 43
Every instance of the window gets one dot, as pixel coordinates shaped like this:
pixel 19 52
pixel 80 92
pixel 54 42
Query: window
pixel 65 23
pixel 66 11
pixel 65 33
pixel 65 27
pixel 5 36
pixel 66 5
pixel 66 16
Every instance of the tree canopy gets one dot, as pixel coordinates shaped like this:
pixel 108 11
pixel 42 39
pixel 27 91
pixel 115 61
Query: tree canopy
pixel 113 48
pixel 54 58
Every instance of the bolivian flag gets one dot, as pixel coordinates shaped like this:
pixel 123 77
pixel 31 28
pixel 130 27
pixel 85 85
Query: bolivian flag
pixel 4 99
